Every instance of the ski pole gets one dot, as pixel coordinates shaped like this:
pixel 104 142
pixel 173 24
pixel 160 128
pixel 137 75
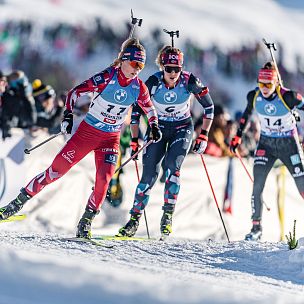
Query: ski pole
pixel 137 172
pixel 239 157
pixel 28 151
pixel 134 21
pixel 215 197
pixel 272 47
pixel 134 155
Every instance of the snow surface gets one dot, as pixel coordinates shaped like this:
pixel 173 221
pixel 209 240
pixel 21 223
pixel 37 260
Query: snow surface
pixel 41 269
pixel 196 264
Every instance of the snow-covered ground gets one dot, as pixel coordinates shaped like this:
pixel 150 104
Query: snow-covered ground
pixel 40 269
pixel 195 265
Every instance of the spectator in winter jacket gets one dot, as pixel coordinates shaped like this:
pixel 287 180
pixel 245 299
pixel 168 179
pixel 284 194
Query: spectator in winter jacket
pixel 48 110
pixel 18 105
pixel 3 85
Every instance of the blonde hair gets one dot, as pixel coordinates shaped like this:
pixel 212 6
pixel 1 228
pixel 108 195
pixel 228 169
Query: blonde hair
pixel 167 49
pixel 129 42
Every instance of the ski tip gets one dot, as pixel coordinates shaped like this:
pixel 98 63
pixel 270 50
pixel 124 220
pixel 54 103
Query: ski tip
pixel 14 218
pixel 119 237
pixel 89 241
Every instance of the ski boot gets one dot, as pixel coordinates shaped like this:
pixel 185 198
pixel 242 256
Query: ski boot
pixel 131 227
pixel 84 225
pixel 166 224
pixel 15 205
pixel 255 233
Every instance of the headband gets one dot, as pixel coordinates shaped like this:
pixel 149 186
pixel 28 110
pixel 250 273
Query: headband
pixel 172 58
pixel 133 53
pixel 266 74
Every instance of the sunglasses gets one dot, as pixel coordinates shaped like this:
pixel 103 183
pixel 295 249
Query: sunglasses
pixel 267 85
pixel 137 65
pixel 170 69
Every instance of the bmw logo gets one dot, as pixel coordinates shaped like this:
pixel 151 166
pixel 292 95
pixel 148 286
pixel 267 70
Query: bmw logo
pixel 120 95
pixel 170 97
pixel 270 109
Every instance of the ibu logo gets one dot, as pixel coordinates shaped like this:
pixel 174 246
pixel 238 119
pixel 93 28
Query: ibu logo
pixel 120 95
pixel 170 97
pixel 270 109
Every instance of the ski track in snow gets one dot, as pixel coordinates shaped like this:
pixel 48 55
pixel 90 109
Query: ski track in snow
pixel 175 271
pixel 38 268
pixel 195 265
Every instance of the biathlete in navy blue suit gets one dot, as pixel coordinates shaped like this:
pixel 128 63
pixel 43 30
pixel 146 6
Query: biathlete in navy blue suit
pixel 114 91
pixel 278 139
pixel 170 91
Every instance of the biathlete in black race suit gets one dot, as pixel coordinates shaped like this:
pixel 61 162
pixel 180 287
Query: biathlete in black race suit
pixel 278 139
pixel 114 90
pixel 170 91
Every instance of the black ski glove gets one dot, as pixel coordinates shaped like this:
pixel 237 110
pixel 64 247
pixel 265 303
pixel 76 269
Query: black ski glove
pixel 67 122
pixel 156 133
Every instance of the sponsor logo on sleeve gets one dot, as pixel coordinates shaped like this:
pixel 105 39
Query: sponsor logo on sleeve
pixel 98 79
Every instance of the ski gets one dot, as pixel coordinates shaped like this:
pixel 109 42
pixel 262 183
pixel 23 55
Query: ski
pixel 14 218
pixel 121 238
pixel 89 241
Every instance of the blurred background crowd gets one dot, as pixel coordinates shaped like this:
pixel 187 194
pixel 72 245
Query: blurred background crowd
pixel 39 65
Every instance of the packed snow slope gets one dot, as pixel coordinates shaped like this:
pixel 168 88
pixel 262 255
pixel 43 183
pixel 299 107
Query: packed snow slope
pixel 195 265
pixel 41 269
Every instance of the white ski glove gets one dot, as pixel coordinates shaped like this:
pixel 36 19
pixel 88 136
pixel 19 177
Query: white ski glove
pixel 201 143
pixel 63 127
pixel 67 122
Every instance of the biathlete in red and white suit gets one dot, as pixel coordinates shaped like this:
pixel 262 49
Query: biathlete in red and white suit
pixel 115 90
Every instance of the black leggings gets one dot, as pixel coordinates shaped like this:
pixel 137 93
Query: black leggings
pixel 269 149
pixel 174 146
